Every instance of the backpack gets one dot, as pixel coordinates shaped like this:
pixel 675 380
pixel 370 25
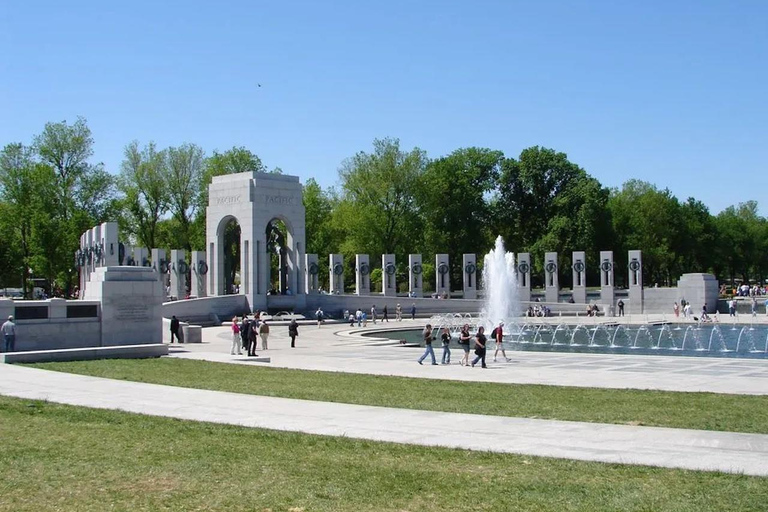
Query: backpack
pixel 493 333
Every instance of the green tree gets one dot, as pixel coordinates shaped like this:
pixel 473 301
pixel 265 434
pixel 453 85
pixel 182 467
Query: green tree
pixel 452 199
pixel 742 247
pixel 185 168
pixel 323 235
pixel 17 186
pixel 378 209
pixel 143 182
pixel 697 246
pixel 647 218
pixel 547 203
pixel 84 193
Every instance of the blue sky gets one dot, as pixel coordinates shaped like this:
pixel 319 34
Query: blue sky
pixel 672 92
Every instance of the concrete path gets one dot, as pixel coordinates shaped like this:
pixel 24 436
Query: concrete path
pixel 337 348
pixel 674 448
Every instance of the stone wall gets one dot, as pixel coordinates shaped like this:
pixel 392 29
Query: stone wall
pixel 56 323
pixel 199 311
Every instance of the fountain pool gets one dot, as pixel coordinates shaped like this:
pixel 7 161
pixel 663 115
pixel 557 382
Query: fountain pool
pixel 666 339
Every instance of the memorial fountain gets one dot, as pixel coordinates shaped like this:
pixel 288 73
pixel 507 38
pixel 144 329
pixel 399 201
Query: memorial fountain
pixel 663 338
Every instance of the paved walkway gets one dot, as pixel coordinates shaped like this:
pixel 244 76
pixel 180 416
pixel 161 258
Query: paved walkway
pixel 336 347
pixel 675 448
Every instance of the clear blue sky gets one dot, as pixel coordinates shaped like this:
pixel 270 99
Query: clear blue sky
pixel 672 92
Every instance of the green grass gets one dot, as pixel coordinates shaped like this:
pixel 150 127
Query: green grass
pixel 57 457
pixel 705 411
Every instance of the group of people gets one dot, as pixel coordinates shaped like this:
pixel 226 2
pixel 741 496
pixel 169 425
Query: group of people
pixel 537 310
pixel 361 317
pixel 687 311
pixel 732 306
pixel 466 343
pixel 246 334
pixel 747 291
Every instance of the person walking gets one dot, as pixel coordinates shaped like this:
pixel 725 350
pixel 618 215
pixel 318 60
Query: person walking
pixel 373 314
pixel 245 326
pixel 413 311
pixel 175 329
pixel 445 337
pixel 480 341
pixel 687 310
pixel 264 334
pixel 464 338
pixel 235 338
pixel 253 337
pixel 498 336
pixel 385 314
pixel 319 314
pixel 9 334
pixel 399 313
pixel 676 310
pixel 754 306
pixel 293 332
pixel 621 307
pixel 428 345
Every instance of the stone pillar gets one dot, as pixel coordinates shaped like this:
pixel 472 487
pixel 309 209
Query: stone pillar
pixel 524 276
pixel 442 275
pixel 109 242
pixel 97 249
pixel 179 268
pixel 579 288
pixel 311 274
pixel 160 265
pixel 141 257
pixel 551 282
pixel 82 263
pixel 362 275
pixel 311 269
pixel 388 275
pixel 635 283
pixel 336 274
pixel 415 276
pixel 697 289
pixel 469 272
pixel 131 305
pixel 607 294
pixel 199 266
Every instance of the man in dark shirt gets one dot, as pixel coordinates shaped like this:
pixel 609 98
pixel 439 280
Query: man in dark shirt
pixel 428 346
pixel 245 327
pixel 175 329
pixel 480 340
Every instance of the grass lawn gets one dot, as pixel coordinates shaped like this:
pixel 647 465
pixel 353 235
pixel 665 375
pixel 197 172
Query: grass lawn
pixel 58 457
pixel 705 411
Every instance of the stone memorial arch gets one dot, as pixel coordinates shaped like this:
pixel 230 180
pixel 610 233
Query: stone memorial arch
pixel 269 211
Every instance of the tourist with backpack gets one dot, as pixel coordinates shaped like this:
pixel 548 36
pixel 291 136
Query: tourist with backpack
pixel 497 335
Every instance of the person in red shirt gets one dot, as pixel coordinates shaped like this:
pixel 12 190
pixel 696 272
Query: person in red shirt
pixel 498 337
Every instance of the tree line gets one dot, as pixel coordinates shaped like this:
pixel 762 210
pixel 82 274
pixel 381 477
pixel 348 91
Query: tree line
pixel 388 200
